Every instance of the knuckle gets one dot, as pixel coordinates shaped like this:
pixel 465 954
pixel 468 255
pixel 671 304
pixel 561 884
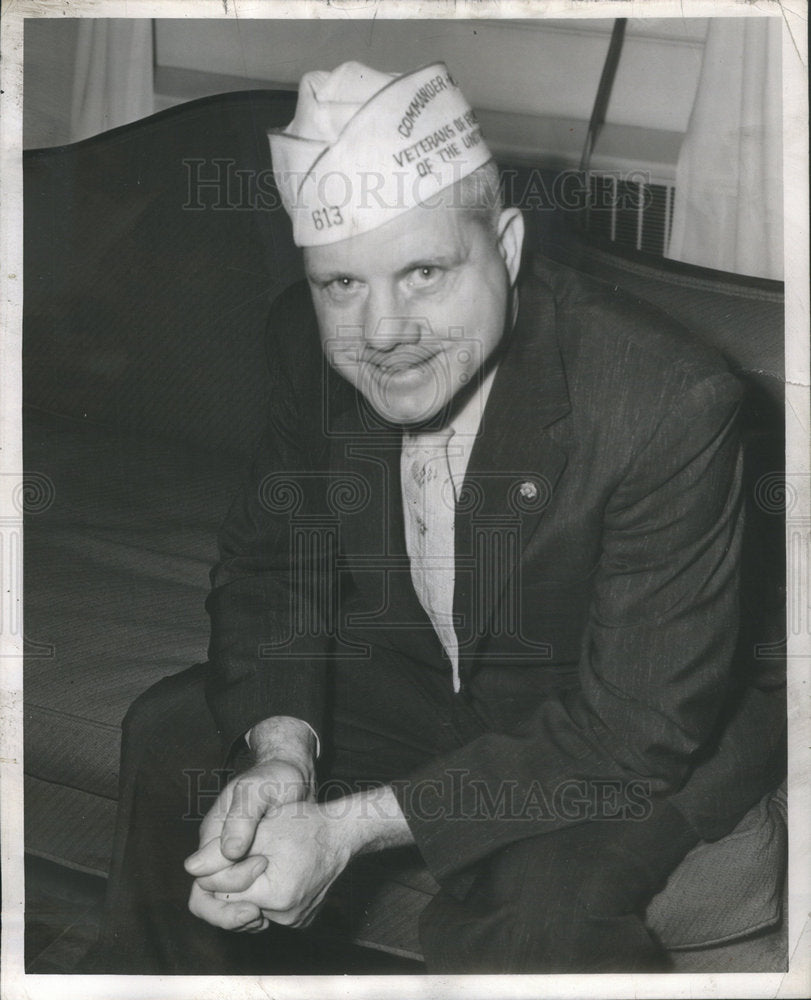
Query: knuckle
pixel 239 919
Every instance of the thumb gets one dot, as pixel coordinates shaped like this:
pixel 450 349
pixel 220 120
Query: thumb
pixel 206 860
pixel 251 797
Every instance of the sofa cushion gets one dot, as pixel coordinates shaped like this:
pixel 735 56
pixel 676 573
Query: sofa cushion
pixel 68 826
pixel 730 888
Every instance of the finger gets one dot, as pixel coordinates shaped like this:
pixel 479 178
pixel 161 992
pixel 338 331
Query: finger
pixel 250 798
pixel 257 927
pixel 286 918
pixel 235 878
pixel 207 860
pixel 211 826
pixel 297 917
pixel 219 913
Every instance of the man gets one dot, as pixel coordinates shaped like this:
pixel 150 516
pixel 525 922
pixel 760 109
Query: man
pixel 479 594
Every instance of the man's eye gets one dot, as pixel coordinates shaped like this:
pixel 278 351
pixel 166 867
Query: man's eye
pixel 425 275
pixel 341 287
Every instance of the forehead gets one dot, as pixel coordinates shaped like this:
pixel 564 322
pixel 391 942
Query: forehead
pixel 439 232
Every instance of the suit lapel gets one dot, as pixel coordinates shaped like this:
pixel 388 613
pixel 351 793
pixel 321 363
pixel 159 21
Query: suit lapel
pixel 365 454
pixel 512 473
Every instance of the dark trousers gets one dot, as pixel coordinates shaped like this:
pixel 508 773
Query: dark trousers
pixel 564 901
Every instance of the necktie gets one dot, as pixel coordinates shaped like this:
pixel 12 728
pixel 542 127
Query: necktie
pixel 429 508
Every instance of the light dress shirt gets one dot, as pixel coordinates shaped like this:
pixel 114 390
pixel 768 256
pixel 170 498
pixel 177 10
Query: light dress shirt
pixel 432 471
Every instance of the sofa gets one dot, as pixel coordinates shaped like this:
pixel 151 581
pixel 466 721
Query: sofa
pixel 153 254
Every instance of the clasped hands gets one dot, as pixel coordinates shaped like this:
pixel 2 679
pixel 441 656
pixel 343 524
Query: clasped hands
pixel 269 852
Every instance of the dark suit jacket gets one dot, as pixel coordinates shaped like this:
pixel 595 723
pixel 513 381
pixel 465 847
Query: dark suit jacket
pixel 597 554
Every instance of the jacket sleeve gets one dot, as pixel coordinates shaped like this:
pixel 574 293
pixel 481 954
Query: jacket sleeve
pixel 272 582
pixel 655 660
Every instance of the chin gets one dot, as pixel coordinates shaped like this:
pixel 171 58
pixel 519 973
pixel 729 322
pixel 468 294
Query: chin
pixel 408 412
pixel 404 417
pixel 403 407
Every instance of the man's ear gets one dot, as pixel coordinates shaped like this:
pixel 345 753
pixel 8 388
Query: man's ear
pixel 510 237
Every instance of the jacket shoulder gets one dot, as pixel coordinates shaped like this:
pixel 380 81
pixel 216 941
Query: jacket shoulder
pixel 598 323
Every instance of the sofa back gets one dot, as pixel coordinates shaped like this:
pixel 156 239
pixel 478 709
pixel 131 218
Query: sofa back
pixel 149 273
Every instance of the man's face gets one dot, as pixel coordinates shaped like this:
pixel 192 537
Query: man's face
pixel 410 311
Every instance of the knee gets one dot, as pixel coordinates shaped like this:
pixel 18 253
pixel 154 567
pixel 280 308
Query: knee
pixel 145 750
pixel 168 722
pixel 534 933
pixel 590 921
pixel 535 908
pixel 171 703
pixel 144 720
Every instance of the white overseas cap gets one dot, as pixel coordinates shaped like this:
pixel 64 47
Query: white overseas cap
pixel 366 146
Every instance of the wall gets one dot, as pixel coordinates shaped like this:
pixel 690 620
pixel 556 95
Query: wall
pixel 49 51
pixel 532 67
pixel 534 82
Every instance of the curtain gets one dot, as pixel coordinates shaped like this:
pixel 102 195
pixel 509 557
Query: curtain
pixel 728 210
pixel 113 81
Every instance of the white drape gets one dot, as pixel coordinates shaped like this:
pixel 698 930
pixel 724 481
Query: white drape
pixel 113 82
pixel 728 211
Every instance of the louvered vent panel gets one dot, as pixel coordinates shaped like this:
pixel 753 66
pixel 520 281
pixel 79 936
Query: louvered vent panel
pixel 632 214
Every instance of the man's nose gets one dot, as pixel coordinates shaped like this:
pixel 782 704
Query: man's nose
pixel 387 324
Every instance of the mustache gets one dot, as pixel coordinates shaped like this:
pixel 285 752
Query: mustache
pixel 408 342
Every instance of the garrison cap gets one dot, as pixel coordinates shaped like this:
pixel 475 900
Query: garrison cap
pixel 366 146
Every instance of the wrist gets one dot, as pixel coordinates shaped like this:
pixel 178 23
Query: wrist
pixel 368 821
pixel 286 739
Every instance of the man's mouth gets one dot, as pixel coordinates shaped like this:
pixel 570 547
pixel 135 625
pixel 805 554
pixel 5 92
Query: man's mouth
pixel 403 361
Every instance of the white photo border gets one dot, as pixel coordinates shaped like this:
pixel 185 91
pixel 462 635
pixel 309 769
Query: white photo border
pixel 797 981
